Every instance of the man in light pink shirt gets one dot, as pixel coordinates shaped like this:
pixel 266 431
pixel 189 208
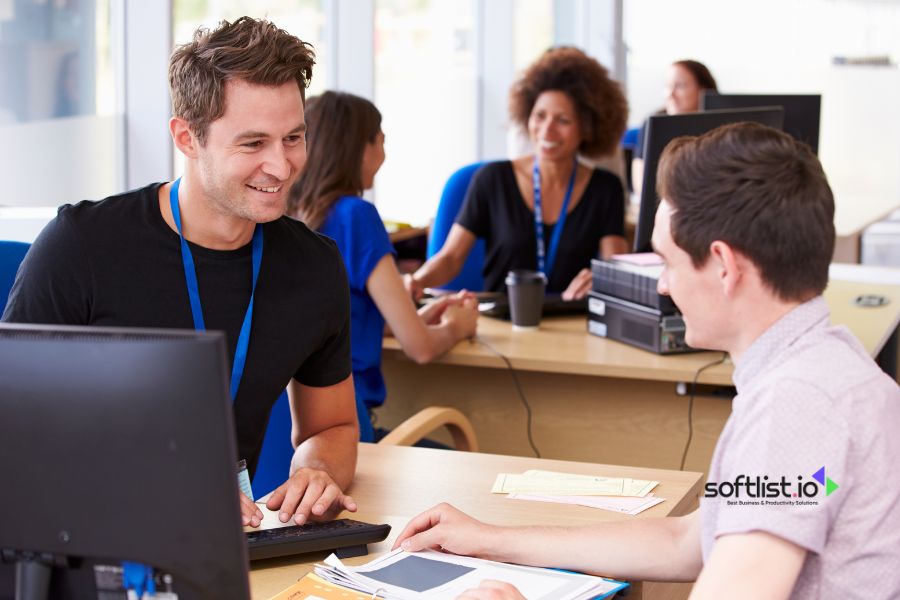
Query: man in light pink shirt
pixel 802 499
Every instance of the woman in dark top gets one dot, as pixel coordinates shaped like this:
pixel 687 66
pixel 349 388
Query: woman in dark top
pixel 568 104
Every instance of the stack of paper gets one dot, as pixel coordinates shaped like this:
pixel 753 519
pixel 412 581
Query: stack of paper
pixel 403 575
pixel 619 494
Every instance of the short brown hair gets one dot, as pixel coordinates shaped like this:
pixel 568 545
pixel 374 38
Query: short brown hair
pixel 253 50
pixel 760 191
pixel 599 101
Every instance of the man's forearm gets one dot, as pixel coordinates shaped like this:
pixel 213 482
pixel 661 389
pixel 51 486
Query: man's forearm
pixel 650 549
pixel 333 451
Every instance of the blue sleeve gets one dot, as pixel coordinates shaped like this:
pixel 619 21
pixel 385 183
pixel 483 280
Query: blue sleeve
pixel 365 242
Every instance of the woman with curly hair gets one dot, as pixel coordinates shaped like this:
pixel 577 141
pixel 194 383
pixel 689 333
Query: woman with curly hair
pixel 545 211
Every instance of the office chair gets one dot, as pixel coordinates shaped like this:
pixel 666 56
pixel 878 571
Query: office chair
pixel 630 138
pixel 275 457
pixel 451 201
pixel 430 419
pixel 11 255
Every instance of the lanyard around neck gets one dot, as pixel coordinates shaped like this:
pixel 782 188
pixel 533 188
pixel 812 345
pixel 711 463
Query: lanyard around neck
pixel 546 259
pixel 190 275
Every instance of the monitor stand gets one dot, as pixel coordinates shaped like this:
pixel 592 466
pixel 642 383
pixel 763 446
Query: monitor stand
pixel 32 579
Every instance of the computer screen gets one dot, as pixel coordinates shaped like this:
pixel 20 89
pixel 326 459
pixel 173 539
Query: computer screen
pixel 801 111
pixel 118 445
pixel 662 129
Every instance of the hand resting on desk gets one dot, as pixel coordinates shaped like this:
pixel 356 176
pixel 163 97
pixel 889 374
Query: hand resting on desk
pixel 250 513
pixel 451 530
pixel 309 494
pixel 433 312
pixel 447 528
pixel 579 286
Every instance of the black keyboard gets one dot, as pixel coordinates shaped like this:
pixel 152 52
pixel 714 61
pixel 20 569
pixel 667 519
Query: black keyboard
pixel 315 537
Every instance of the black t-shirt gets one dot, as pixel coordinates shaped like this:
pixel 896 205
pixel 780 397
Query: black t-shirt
pixel 495 210
pixel 117 263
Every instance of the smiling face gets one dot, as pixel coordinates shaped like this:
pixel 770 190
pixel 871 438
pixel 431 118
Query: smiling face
pixel 682 91
pixel 254 151
pixel 553 126
pixel 696 292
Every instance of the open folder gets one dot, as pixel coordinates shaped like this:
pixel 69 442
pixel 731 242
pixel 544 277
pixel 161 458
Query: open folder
pixel 434 575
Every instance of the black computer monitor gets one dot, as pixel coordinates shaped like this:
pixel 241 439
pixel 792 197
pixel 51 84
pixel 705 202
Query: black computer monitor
pixel 118 445
pixel 662 129
pixel 801 111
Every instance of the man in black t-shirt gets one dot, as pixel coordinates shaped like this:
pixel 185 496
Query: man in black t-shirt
pixel 212 250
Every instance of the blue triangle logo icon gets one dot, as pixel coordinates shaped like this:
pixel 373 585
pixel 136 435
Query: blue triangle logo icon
pixel 820 476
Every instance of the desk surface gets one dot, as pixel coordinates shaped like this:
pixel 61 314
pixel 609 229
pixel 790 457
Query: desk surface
pixel 562 344
pixel 393 484
pixel 407 233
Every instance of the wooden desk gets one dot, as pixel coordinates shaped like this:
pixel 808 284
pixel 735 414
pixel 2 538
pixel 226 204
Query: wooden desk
pixel 593 399
pixel 393 484
pixel 407 233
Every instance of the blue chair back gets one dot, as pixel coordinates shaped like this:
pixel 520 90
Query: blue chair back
pixel 11 255
pixel 630 138
pixel 451 201
pixel 275 456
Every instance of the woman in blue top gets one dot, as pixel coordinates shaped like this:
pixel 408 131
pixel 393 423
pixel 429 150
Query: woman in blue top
pixel 345 147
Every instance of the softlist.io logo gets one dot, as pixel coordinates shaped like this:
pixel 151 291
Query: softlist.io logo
pixel 756 491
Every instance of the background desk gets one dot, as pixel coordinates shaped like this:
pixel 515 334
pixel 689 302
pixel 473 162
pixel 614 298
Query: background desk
pixel 593 399
pixel 852 214
pixel 394 484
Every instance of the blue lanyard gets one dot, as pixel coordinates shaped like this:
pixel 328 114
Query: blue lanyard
pixel 190 274
pixel 546 266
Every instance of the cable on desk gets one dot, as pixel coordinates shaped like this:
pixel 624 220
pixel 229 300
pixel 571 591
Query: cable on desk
pixel 524 400
pixel 691 405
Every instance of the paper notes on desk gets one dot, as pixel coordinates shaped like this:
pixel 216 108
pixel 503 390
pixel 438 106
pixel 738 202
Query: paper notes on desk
pixel 621 504
pixel 569 484
pixel 619 494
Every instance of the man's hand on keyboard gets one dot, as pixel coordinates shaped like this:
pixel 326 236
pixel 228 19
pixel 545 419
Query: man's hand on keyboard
pixel 309 494
pixel 250 513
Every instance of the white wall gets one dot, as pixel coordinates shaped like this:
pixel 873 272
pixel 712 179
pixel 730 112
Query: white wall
pixel 60 161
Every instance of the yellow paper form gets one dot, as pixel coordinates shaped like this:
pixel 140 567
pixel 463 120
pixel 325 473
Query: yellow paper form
pixel 313 587
pixel 570 484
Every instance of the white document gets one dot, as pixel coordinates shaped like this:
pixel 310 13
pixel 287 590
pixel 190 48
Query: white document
pixel 625 505
pixel 434 575
pixel 550 483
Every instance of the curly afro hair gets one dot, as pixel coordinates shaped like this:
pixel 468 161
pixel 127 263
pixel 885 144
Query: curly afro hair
pixel 599 101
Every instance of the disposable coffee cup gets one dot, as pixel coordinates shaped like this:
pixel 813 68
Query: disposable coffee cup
pixel 526 297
